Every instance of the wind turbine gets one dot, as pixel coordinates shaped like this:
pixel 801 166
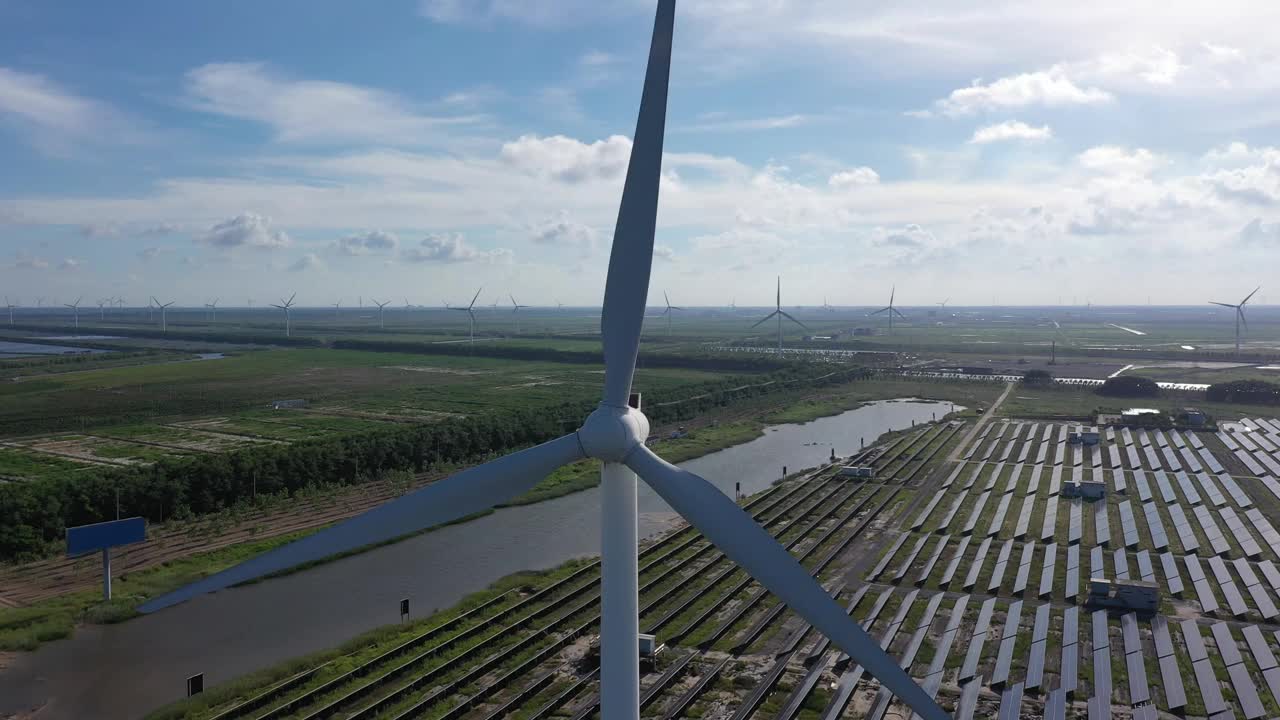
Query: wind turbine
pixel 336 307
pixel 1239 308
pixel 164 307
pixel 515 310
pixel 891 309
pixel 75 309
pixel 615 434
pixel 285 305
pixel 212 310
pixel 381 307
pixel 102 314
pixel 780 313
pixel 825 306
pixel 667 312
pixel 471 314
pixel 943 304
pixel 9 306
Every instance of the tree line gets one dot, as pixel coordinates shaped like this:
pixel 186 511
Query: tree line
pixel 34 515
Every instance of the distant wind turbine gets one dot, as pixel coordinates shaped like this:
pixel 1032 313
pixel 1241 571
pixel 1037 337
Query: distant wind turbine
pixel 381 306
pixel 515 310
pixel 75 309
pixel 102 314
pixel 285 305
pixel 943 304
pixel 890 309
pixel 9 306
pixel 211 310
pixel 164 308
pixel 1239 308
pixel 825 306
pixel 471 314
pixel 336 307
pixel 668 312
pixel 780 313
pixel 614 434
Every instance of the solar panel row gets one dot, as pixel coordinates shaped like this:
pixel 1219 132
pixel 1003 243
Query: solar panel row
pixel 1188 490
pixel 1139 686
pixel 1008 638
pixel 1172 578
pixel 1101 524
pixel 888 557
pixel 1210 692
pixel 979 559
pixel 1002 509
pixel 970 666
pixel 907 561
pixel 1246 692
pixel 1128 525
pixel 952 565
pixel 1002 564
pixel 1217 540
pixel 1075 520
pixel 1024 568
pixel 1070 649
pixel 1073 572
pixel 1159 539
pixel 1100 703
pixel 932 562
pixel 1240 531
pixel 1050 518
pixel 1208 603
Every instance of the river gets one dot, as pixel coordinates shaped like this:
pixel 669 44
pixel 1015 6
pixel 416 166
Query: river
pixel 126 670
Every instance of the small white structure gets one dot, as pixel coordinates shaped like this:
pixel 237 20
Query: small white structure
pixel 648 645
pixel 857 472
pixel 288 404
pixel 1084 435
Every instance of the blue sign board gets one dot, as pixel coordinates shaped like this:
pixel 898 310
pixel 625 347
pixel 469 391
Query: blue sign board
pixel 100 536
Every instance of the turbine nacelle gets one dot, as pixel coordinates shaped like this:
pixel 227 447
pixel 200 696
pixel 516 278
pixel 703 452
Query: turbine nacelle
pixel 611 433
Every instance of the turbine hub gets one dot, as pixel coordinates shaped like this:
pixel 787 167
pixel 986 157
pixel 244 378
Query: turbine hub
pixel 610 433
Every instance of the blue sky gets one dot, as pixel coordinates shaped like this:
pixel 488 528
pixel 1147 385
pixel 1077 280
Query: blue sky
pixel 1029 151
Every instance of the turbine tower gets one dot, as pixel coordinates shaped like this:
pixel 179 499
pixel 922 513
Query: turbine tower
pixel 780 313
pixel 75 310
pixel 614 433
pixel 164 308
pixel 825 306
pixel 9 306
pixel 285 305
pixel 1239 308
pixel 891 309
pixel 471 313
pixel 667 312
pixel 211 310
pixel 381 307
pixel 515 311
pixel 336 306
pixel 102 314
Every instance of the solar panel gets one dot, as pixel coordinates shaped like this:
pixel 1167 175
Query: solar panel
pixel 1209 459
pixel 1024 568
pixel 951 511
pixel 1194 641
pixel 1182 526
pixel 923 517
pixel 1121 560
pixel 1246 692
pixel 1188 490
pixel 1209 690
pixel 929 564
pixel 1075 521
pixel 1073 573
pixel 1117 479
pixel 993 477
pixel 1146 571
pixel 1175 695
pixel 1055 480
pixel 1102 680
pixel 1033 481
pixel 1210 489
pixel 1172 578
pixel 1004 658
pixel 884 561
pixel 1128 525
pixel 1171 459
pixel 905 567
pixel 1194 440
pixel 1144 488
pixel 1050 518
pixel 1159 540
pixel 1249 462
pixel 954 474
pixel 1237 493
pixel 1153 460
pixel 1211 530
pixel 1024 451
pixel 1271 573
pixel 997 519
pixel 1161 440
pixel 1002 563
pixel 1160 633
pixel 1070 678
pixel 1126 437
pixel 1129 632
pixel 1059 454
pixel 1227 440
pixel 973 476
pixel 950 572
pixel 1035 664
pixel 1227 648
pixel 1101 525
pixel 1241 532
pixel 979 559
pixel 1062 434
pixel 1113 456
pixel 1098 623
pixel 1024 516
pixel 1077 475
pixel 968 700
pixel 1190 459
pixel 1095 457
pixel 1258 647
pixel 1014 476
pixel 978 506
pixel 1165 487
pixel 974 653
pixel 1011 702
pixel 1143 438
pixel 1139 688
pixel 1041 453
pixel 1272 677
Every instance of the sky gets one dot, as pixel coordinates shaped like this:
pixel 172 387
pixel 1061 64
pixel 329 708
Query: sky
pixel 1017 152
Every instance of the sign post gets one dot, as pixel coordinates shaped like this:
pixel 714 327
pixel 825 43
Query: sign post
pixel 103 536
pixel 404 609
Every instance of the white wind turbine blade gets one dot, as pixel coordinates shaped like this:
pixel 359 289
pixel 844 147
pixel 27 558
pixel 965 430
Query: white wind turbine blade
pixel 631 258
pixel 883 309
pixel 766 317
pixel 1212 302
pixel 1249 297
pixel 747 544
pixel 898 312
pixel 788 316
pixel 470 491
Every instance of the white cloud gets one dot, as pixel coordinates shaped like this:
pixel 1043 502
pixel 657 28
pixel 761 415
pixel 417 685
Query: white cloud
pixel 26 261
pixel 774 122
pixel 451 248
pixel 70 264
pixel 567 159
pixel 313 110
pixel 1051 88
pixel 1260 233
pixel 245 230
pixel 1010 130
pixel 563 231
pixel 309 261
pixel 35 99
pixel 664 252
pixel 855 177
pixel 1111 159
pixel 596 58
pixel 372 242
pixel 555 14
